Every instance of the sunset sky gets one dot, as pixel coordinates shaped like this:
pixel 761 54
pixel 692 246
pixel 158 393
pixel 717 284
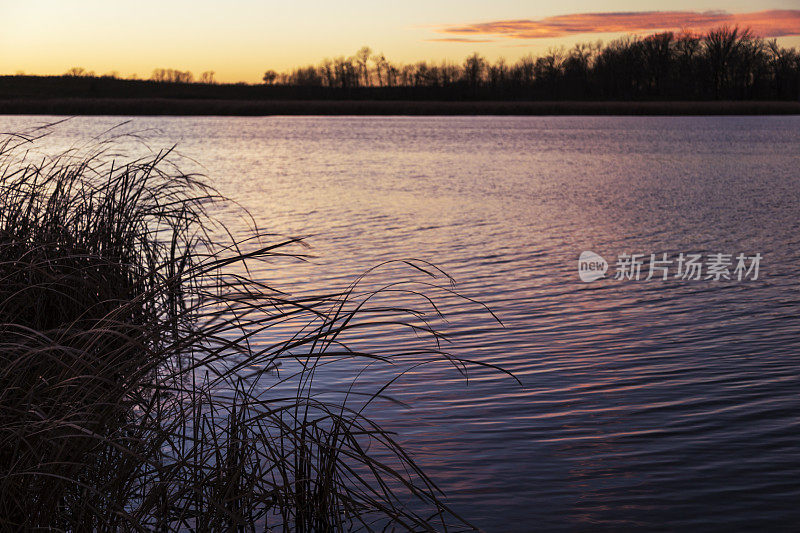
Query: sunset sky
pixel 239 40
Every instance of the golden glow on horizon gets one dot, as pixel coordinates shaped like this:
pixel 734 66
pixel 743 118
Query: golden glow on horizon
pixel 243 39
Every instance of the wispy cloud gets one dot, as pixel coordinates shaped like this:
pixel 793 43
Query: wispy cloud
pixel 773 23
pixel 460 40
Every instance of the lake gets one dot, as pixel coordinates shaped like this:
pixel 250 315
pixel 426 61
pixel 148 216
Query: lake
pixel 643 403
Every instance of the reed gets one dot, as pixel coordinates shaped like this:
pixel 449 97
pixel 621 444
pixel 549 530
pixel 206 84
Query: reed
pixel 140 386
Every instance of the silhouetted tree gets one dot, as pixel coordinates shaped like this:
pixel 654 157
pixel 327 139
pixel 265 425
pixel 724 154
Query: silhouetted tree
pixel 381 69
pixel 362 57
pixel 79 72
pixel 207 77
pixel 723 50
pixel 474 67
pixel 576 70
pixel 657 60
pixel 269 77
pixel 686 69
pixel 170 75
pixel 784 66
pixel 547 72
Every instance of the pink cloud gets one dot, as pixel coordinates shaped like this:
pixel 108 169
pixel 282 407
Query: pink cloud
pixel 774 23
pixel 460 40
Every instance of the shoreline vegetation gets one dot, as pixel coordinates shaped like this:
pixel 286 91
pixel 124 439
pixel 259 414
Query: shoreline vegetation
pixel 216 107
pixel 147 383
pixel 727 71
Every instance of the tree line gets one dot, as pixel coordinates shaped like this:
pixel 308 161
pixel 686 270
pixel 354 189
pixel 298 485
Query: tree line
pixel 162 75
pixel 725 63
pixel 721 64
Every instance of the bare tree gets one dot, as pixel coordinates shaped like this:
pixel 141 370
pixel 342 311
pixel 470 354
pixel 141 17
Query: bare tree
pixel 723 47
pixel 207 77
pixel 474 67
pixel 79 72
pixel 448 73
pixel 170 75
pixel 381 68
pixel 328 73
pixel 362 57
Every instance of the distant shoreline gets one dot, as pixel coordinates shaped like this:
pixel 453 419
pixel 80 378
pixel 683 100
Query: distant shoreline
pixel 219 107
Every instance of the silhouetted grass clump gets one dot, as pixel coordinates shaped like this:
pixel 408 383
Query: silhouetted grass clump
pixel 133 392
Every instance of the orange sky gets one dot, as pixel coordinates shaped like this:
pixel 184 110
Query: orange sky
pixel 241 39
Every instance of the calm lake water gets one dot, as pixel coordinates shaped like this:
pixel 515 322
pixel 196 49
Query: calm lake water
pixel 651 404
